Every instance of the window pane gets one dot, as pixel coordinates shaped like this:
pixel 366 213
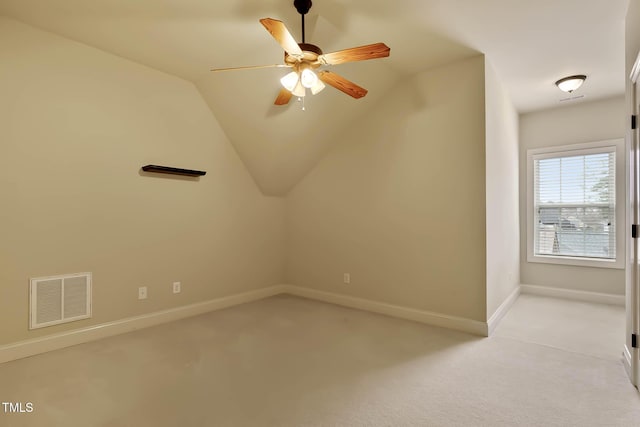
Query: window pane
pixel 575 206
pixel 582 232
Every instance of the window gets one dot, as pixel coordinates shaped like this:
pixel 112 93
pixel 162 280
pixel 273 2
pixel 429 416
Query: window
pixel 572 213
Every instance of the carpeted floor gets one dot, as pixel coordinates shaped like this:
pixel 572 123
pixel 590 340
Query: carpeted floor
pixel 287 361
pixel 581 327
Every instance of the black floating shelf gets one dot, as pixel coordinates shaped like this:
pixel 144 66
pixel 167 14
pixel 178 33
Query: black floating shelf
pixel 172 171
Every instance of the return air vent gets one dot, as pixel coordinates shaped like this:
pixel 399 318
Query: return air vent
pixel 59 299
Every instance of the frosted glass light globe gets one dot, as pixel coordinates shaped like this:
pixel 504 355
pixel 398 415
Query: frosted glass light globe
pixel 308 78
pixel 290 81
pixel 571 83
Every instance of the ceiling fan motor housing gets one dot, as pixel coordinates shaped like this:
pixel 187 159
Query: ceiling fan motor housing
pixel 302 6
pixel 310 54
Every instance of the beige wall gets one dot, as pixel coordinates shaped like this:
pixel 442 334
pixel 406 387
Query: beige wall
pixel 503 237
pixel 76 125
pixel 582 122
pixel 399 203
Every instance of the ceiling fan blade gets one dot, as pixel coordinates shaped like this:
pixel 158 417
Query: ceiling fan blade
pixel 342 84
pixel 362 53
pixel 251 67
pixel 282 35
pixel 283 97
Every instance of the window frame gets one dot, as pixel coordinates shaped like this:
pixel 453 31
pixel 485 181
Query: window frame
pixel 617 146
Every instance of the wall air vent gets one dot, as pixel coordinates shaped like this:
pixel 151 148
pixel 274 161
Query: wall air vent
pixel 59 299
pixel 572 98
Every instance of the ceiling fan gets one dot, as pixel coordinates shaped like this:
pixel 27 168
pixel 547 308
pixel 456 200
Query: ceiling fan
pixel 304 58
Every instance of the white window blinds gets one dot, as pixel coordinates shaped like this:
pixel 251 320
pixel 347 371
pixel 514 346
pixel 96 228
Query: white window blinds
pixel 574 204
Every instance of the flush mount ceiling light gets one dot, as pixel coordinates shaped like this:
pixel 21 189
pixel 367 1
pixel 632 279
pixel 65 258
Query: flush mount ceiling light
pixel 306 59
pixel 571 83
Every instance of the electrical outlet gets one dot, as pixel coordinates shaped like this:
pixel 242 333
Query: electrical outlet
pixel 142 292
pixel 346 278
pixel 177 287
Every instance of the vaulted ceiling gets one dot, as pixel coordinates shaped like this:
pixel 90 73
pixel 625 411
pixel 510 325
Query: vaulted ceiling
pixel 531 44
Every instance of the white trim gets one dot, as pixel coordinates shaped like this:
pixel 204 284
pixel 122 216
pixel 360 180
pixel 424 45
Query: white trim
pixel 60 340
pixel 633 202
pixel 57 341
pixel 635 71
pixel 504 308
pixel 428 317
pixel 620 224
pixel 626 361
pixel 570 294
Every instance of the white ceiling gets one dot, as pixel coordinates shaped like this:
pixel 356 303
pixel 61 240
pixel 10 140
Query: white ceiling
pixel 530 44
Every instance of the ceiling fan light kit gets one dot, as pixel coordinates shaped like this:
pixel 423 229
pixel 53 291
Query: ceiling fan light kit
pixel 306 58
pixel 317 87
pixel 299 91
pixel 290 81
pixel 307 77
pixel 571 83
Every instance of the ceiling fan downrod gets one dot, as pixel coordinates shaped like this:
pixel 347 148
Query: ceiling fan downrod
pixel 303 7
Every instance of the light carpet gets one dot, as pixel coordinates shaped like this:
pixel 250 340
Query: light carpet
pixel 287 361
pixel 581 327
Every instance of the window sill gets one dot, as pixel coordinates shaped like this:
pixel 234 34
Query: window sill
pixel 578 262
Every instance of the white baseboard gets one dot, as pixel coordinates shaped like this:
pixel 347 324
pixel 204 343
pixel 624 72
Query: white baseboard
pixel 428 317
pixel 504 308
pixel 626 361
pixel 57 341
pixel 35 346
pixel 596 297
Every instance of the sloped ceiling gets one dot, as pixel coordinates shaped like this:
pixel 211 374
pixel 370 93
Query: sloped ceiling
pixel 531 44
